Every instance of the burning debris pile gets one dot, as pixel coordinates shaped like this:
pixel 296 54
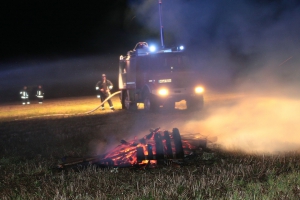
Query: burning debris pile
pixel 158 147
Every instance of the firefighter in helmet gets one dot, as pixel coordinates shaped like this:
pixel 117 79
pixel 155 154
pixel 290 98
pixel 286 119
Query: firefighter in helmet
pixel 104 87
pixel 40 94
pixel 24 96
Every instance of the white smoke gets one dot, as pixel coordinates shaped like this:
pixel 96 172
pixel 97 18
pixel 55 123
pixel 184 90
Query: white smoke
pixel 252 44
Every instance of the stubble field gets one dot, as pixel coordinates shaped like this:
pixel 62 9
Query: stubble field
pixel 35 137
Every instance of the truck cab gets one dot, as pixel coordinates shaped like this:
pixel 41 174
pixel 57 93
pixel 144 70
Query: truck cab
pixel 158 79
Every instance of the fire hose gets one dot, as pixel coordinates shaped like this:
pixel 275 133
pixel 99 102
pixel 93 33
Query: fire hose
pixel 109 97
pixel 88 112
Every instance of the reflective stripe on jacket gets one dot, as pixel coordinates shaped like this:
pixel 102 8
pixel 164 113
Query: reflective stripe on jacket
pixel 40 94
pixel 24 94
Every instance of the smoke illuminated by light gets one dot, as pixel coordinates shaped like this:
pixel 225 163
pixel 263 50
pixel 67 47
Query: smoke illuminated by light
pixel 255 124
pixel 248 46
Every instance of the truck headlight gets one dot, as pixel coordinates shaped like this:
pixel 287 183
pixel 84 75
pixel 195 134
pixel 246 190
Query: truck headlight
pixel 199 90
pixel 163 92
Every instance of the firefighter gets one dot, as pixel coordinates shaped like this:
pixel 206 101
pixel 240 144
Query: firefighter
pixel 40 94
pixel 104 86
pixel 24 96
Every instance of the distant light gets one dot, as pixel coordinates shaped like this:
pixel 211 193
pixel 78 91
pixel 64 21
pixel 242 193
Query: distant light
pixel 181 47
pixel 152 48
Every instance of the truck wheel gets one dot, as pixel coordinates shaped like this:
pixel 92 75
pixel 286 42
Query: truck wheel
pixel 128 104
pixel 150 104
pixel 195 103
pixel 122 98
pixel 131 106
pixel 147 104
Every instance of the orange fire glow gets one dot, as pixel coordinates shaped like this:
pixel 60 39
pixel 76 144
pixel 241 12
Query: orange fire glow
pixel 126 154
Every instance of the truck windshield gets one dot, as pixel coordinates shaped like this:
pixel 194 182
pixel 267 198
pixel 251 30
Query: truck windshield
pixel 168 62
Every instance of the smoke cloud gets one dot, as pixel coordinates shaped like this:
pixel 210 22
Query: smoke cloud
pixel 237 37
pixel 253 124
pixel 252 47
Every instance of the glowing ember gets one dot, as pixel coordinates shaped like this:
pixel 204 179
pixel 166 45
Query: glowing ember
pixel 158 145
pixel 149 150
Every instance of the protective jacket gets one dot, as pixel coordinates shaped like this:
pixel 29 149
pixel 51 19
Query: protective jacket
pixel 40 93
pixel 24 94
pixel 105 86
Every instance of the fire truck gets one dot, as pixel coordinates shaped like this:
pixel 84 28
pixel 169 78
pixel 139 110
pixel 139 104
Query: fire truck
pixel 158 79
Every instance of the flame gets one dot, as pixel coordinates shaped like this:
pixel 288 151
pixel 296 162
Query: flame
pixel 125 154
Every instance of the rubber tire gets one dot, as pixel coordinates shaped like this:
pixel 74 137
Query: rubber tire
pixel 147 104
pixel 122 98
pixel 150 104
pixel 129 106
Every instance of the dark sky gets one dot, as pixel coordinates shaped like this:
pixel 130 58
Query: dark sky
pixel 31 28
pixel 60 43
pixel 65 27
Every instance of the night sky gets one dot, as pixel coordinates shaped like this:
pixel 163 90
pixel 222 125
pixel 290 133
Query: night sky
pixel 42 28
pixel 66 45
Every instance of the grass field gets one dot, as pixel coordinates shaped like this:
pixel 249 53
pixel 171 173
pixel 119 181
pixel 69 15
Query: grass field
pixel 34 138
